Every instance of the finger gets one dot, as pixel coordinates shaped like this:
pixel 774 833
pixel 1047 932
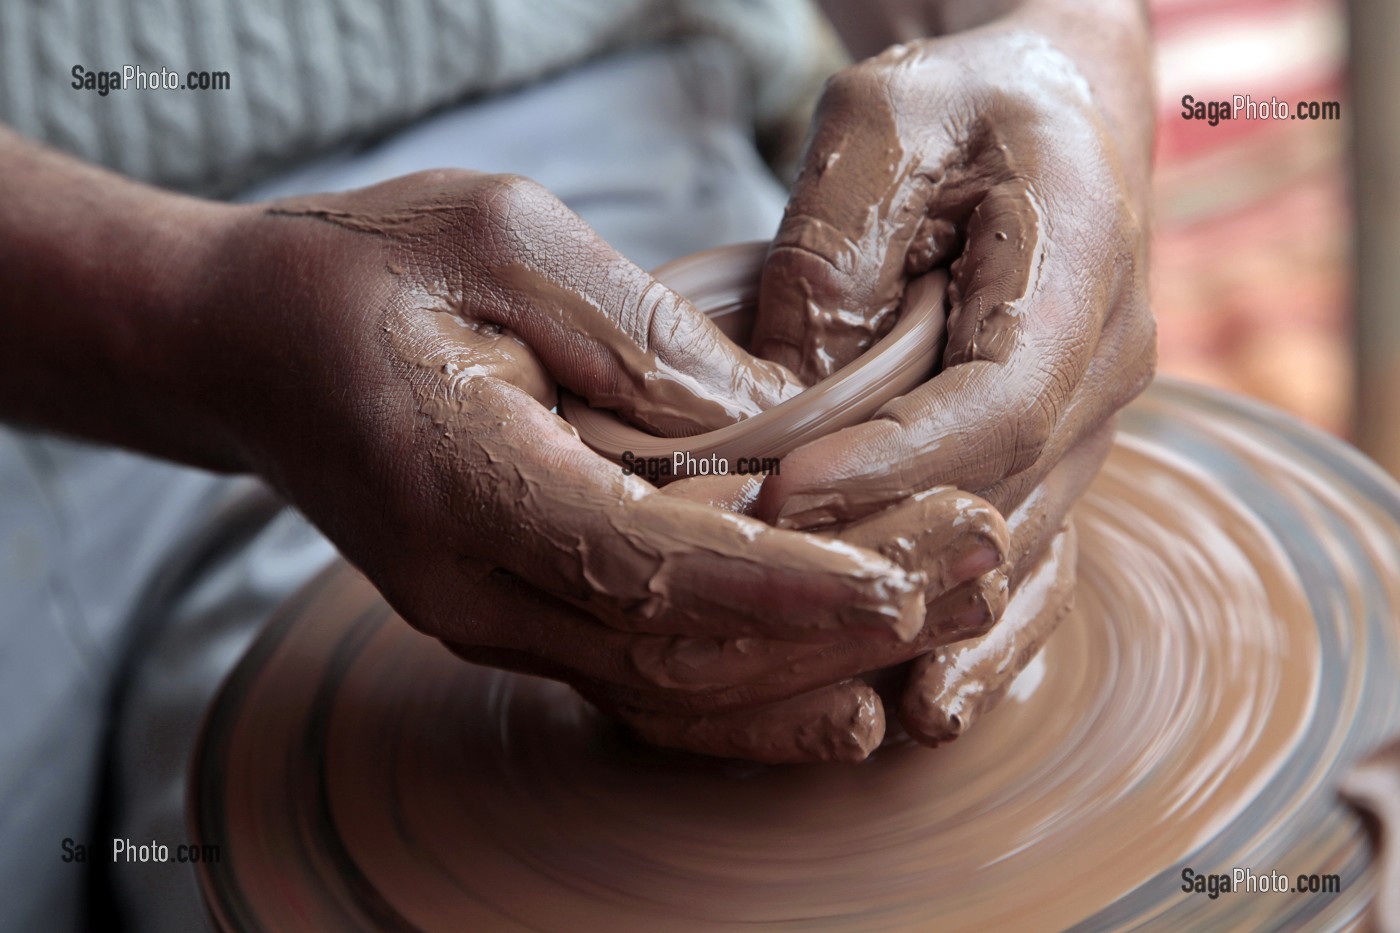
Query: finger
pixel 1024 324
pixel 946 534
pixel 965 428
pixel 839 722
pixel 828 724
pixel 603 327
pixel 1109 384
pixel 1041 513
pixel 969 610
pixel 731 492
pixel 842 722
pixel 836 269
pixel 970 426
pixel 1033 526
pixel 636 560
pixel 535 634
pixel 804 728
pixel 499 620
pixel 505 623
pixel 949 535
pixel 950 689
pixel 752 671
pixel 958 541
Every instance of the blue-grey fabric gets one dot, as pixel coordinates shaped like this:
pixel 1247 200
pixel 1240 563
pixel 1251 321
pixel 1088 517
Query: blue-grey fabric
pixel 128 587
pixel 308 75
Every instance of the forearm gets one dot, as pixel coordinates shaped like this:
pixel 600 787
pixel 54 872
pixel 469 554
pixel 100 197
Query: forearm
pixel 101 336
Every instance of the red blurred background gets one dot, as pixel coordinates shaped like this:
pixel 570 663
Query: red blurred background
pixel 1252 257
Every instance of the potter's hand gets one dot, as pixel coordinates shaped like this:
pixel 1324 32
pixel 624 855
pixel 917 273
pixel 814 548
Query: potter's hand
pixel 984 152
pixel 954 679
pixel 768 699
pixel 989 153
pixel 407 338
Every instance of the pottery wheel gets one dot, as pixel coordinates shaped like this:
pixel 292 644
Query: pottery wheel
pixel 1233 650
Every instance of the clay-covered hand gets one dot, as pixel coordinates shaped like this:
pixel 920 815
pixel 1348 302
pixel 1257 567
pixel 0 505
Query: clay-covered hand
pixel 984 152
pixel 987 153
pixel 769 699
pixel 973 646
pixel 399 348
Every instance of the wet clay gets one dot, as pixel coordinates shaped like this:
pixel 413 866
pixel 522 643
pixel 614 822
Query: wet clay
pixel 723 282
pixel 478 489
pixel 1232 652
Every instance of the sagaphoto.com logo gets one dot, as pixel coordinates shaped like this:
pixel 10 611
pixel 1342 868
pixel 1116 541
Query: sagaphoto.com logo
pixel 134 77
pixel 1245 107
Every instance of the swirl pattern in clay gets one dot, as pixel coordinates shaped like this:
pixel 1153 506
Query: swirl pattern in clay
pixel 1232 652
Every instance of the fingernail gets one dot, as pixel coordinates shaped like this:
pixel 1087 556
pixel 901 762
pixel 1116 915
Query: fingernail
pixel 932 723
pixel 981 557
pixel 860 734
pixel 974 621
pixel 972 608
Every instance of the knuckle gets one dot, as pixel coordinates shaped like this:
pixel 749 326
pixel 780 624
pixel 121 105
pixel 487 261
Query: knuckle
pixel 799 257
pixel 513 188
pixel 509 203
pixel 1034 426
pixel 853 85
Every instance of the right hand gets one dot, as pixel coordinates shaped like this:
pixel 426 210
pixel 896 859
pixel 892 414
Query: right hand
pixel 394 353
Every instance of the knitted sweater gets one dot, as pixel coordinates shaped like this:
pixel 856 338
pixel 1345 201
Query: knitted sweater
pixel 305 76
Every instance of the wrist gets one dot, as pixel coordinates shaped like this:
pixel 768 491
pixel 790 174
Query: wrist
pixel 282 321
pixel 169 347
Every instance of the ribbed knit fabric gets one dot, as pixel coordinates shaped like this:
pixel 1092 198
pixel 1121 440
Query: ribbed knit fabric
pixel 310 75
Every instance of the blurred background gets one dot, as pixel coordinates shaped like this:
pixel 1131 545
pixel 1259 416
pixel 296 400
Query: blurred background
pixel 1275 254
pixel 1252 264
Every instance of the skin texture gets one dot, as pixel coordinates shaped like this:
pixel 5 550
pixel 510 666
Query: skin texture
pixel 380 356
pixel 385 358
pixel 961 540
pixel 1015 156
pixel 498 531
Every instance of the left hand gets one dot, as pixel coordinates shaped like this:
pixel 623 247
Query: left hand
pixel 986 153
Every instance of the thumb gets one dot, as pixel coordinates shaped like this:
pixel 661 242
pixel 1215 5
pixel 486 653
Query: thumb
pixel 856 229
